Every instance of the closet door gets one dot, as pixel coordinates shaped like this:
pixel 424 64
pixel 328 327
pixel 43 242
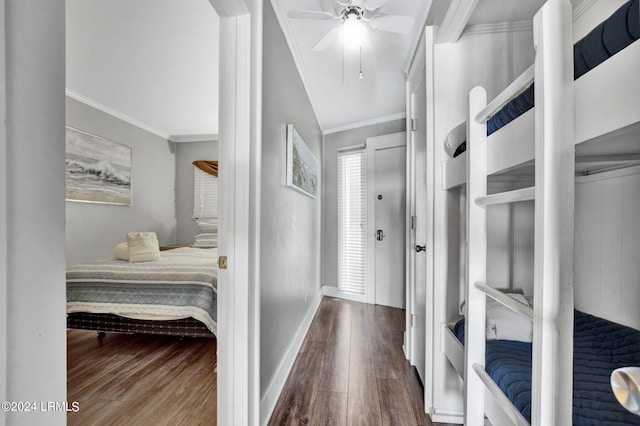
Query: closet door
pixel 419 299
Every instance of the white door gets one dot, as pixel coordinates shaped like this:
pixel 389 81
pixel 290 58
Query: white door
pixel 389 206
pixel 418 304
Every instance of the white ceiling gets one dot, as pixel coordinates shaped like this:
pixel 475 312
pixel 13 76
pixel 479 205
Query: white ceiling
pixel 153 62
pixel 340 99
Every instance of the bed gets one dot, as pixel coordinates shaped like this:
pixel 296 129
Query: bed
pixel 606 67
pixel 600 346
pixel 585 112
pixel 176 295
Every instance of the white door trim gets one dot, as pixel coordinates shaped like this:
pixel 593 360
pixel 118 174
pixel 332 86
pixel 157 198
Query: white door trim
pixel 373 144
pixel 422 65
pixel 415 74
pixel 238 292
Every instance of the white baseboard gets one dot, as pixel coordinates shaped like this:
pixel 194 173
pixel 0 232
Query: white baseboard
pixel 329 290
pixel 447 416
pixel 271 395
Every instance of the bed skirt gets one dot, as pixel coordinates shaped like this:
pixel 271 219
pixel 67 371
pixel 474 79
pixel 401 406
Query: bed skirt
pixel 187 327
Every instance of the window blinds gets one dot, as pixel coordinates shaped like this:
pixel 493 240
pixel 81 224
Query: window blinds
pixel 352 215
pixel 205 195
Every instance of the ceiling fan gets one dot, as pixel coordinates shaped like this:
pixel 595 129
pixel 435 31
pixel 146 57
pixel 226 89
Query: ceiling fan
pixel 351 14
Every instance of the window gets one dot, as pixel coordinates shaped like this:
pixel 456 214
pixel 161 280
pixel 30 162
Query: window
pixel 205 195
pixel 352 215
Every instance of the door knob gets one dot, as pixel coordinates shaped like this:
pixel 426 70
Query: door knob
pixel 420 248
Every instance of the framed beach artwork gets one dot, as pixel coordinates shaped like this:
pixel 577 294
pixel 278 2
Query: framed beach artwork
pixel 98 170
pixel 302 165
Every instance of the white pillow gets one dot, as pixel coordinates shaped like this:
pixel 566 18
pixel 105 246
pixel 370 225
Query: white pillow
pixel 143 247
pixel 208 226
pixel 455 138
pixel 207 236
pixel 121 251
pixel 504 324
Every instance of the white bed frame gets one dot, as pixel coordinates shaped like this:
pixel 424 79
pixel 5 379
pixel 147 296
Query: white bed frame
pixel 547 134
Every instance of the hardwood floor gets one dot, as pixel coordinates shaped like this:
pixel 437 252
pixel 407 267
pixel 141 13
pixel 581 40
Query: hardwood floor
pixel 351 370
pixel 136 379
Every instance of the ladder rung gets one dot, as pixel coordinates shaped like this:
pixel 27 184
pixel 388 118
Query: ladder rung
pixel 525 194
pixel 511 303
pixel 502 399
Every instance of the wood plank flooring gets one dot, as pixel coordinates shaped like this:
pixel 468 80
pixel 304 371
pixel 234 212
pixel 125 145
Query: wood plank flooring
pixel 351 370
pixel 136 379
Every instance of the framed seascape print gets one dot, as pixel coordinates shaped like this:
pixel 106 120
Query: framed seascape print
pixel 98 170
pixel 302 165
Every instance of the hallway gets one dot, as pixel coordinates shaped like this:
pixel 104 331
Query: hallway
pixel 351 370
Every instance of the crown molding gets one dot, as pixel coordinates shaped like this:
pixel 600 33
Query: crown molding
pixel 498 27
pixel 365 123
pixel 103 108
pixel 455 20
pixel 579 10
pixel 194 138
pixel 283 20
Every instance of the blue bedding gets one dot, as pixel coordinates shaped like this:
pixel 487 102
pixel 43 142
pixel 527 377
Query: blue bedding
pixel 600 346
pixel 614 34
pixel 617 32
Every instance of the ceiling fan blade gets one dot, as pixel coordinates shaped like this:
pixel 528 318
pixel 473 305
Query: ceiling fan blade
pixel 374 4
pixel 393 23
pixel 330 6
pixel 328 38
pixel 310 14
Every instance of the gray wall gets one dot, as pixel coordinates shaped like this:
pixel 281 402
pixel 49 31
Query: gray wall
pixel 94 229
pixel 330 189
pixel 290 220
pixel 186 153
pixel 35 314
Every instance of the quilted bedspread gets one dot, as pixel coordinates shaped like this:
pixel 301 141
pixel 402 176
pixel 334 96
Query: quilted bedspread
pixel 600 346
pixel 183 283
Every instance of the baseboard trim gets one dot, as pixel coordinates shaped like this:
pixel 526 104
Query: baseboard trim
pixel 271 395
pixel 329 290
pixel 446 416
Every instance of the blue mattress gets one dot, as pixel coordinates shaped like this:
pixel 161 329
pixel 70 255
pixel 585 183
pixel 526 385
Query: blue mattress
pixel 600 346
pixel 614 34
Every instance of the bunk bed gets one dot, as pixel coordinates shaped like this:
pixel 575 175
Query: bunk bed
pixel 605 136
pixel 602 85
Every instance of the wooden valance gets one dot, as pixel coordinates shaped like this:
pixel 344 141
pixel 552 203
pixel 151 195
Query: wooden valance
pixel 207 166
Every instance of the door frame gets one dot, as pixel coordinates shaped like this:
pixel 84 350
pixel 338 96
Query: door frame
pixel 392 140
pixel 421 65
pixel 240 158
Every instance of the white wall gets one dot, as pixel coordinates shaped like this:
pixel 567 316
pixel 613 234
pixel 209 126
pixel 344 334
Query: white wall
pixel 186 153
pixel 607 246
pixel 94 229
pixel 35 322
pixel 331 143
pixel 290 221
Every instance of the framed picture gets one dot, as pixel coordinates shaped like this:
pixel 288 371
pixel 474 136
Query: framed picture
pixel 302 165
pixel 98 170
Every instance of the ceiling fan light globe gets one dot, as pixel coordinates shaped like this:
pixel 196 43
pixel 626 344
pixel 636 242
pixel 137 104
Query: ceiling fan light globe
pixel 353 32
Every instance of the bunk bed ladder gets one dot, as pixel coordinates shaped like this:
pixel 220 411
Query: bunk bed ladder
pixel 552 314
